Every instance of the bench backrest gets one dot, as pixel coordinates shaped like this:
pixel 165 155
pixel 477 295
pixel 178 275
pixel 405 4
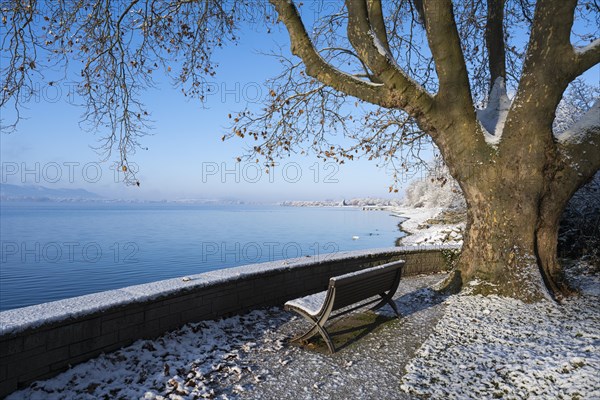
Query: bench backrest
pixel 360 285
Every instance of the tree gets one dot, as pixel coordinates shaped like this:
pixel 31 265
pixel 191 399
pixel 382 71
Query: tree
pixel 388 75
pixel 579 232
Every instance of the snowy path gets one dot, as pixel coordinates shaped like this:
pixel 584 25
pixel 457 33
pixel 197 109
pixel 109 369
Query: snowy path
pixel 457 347
pixel 248 357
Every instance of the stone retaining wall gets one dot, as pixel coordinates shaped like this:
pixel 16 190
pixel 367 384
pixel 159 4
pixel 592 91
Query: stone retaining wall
pixel 40 341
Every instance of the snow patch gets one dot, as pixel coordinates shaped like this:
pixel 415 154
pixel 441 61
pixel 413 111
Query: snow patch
pixel 380 48
pixel 584 49
pixel 311 304
pixel 493 117
pixel 496 347
pixel 421 233
pixel 355 78
pixel 580 129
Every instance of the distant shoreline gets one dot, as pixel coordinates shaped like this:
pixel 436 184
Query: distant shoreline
pixel 365 203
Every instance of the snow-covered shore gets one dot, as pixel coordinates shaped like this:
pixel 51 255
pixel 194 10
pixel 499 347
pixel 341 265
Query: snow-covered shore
pixel 433 209
pixel 425 227
pixel 358 202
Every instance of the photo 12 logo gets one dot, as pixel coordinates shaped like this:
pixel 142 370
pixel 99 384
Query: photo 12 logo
pixel 67 252
pixel 67 171
pixel 237 92
pixel 52 92
pixel 249 172
pixel 256 252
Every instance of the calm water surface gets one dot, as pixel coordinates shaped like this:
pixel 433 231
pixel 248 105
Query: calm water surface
pixel 51 251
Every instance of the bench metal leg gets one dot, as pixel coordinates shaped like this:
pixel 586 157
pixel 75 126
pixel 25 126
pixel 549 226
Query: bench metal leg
pixel 318 326
pixel 392 303
pixel 327 339
pixel 387 299
pixel 308 334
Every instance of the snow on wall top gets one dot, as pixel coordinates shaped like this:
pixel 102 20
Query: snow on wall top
pixel 21 319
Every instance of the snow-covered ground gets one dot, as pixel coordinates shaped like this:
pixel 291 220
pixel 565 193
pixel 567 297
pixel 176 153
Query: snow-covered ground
pixel 435 209
pixel 493 347
pixel 249 356
pixel 454 347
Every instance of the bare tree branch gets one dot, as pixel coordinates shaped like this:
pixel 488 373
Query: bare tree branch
pixel 585 58
pixel 550 37
pixel 578 157
pixel 494 40
pixel 547 70
pixel 410 96
pixel 445 46
pixel 378 23
pixel 119 45
pixel 318 68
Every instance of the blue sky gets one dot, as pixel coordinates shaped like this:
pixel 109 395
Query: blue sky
pixel 186 157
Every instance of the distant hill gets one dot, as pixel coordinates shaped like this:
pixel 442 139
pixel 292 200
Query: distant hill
pixel 41 193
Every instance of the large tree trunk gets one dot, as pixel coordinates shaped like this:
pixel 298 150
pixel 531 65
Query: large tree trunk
pixel 514 206
pixel 500 251
pixel 547 247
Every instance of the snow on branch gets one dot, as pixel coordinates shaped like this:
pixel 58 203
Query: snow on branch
pixel 584 128
pixel 593 45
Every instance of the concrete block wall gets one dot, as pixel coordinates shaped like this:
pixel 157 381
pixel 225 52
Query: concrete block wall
pixel 41 341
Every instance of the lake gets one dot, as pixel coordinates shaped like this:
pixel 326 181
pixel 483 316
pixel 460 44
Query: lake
pixel 50 251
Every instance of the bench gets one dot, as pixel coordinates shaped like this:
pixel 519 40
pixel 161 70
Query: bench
pixel 346 290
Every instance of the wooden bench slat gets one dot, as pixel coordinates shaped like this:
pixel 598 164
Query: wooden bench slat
pixel 361 275
pixel 345 290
